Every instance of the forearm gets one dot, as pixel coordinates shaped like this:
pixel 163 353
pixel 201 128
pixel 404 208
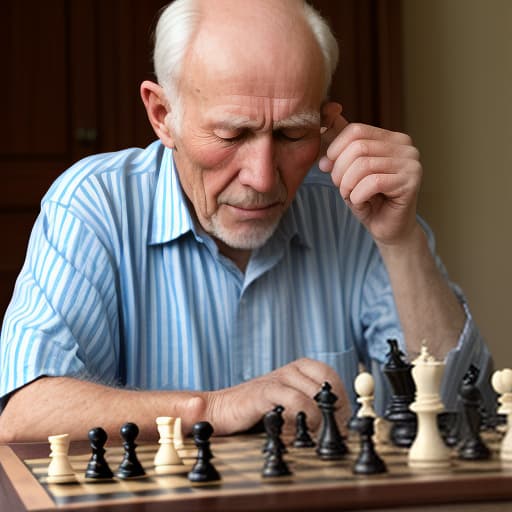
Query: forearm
pixel 427 307
pixel 55 405
pixel 59 405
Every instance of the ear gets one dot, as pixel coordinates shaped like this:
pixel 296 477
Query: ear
pixel 332 124
pixel 157 108
pixel 329 113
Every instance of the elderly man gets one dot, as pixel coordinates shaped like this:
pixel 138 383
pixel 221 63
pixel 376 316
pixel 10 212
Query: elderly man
pixel 211 275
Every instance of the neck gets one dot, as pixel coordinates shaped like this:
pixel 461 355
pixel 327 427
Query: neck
pixel 240 257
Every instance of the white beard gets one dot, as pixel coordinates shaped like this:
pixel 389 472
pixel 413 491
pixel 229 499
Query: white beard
pixel 246 239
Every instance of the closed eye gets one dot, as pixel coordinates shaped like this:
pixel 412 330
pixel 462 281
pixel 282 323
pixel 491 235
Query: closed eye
pixel 290 134
pixel 230 135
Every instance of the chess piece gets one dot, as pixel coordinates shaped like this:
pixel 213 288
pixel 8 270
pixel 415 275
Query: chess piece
pixel 274 465
pixel 364 386
pixel 368 461
pixel 428 450
pixel 331 445
pixel 450 425
pixel 502 383
pixel 166 456
pixel 203 470
pixel 98 468
pixel 403 420
pixel 130 466
pixel 472 447
pixel 178 435
pixel 60 470
pixel 276 420
pixel 302 437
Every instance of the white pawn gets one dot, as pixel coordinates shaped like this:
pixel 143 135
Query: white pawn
pixel 428 449
pixel 502 384
pixel 364 386
pixel 178 435
pixel 60 470
pixel 166 457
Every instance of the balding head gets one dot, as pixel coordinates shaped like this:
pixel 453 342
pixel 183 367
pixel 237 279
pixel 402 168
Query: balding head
pixel 241 89
pixel 267 31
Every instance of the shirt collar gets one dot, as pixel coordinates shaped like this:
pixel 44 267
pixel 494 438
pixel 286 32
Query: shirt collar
pixel 293 226
pixel 171 217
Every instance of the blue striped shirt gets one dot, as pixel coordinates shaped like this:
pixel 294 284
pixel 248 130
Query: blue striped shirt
pixel 120 286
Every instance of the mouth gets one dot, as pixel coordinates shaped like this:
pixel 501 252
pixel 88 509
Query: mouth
pixel 248 212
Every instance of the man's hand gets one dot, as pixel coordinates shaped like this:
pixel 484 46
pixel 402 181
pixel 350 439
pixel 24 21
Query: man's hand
pixel 378 174
pixel 293 386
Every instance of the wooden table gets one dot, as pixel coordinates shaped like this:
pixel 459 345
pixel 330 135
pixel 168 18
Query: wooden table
pixel 315 486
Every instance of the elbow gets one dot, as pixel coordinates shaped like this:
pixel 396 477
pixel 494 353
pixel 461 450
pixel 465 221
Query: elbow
pixel 7 428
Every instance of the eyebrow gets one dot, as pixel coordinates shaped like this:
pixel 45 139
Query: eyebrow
pixel 298 120
pixel 301 119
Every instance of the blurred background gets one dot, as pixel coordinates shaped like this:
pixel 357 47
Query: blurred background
pixel 457 101
pixel 440 70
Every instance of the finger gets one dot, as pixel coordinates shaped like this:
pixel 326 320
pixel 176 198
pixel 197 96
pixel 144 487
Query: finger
pixel 333 123
pixel 358 131
pixel 363 168
pixel 292 399
pixel 391 186
pixel 356 152
pixel 329 133
pixel 319 373
pixel 325 164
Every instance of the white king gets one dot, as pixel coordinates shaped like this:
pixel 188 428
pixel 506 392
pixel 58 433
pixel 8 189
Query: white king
pixel 428 450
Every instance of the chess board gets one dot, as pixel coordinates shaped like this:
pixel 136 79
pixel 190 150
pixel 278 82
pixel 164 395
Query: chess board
pixel 314 485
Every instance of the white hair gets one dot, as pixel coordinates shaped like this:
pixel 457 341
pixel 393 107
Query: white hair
pixel 177 26
pixel 326 40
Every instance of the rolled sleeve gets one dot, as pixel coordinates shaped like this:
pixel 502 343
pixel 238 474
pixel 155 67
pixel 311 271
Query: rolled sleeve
pixel 470 350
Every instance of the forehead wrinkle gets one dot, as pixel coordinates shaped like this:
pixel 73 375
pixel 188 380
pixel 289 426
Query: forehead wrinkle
pixel 298 120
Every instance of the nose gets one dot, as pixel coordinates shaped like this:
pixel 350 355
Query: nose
pixel 259 168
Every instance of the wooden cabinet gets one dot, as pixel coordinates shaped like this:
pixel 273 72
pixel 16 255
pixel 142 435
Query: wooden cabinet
pixel 69 88
pixel 71 71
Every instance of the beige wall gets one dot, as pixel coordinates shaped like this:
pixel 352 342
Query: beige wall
pixel 458 108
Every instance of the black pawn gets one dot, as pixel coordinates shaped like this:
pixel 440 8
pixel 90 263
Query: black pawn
pixel 331 445
pixel 404 421
pixel 273 423
pixel 302 437
pixel 368 461
pixel 472 446
pixel 97 468
pixel 274 466
pixel 203 470
pixel 130 466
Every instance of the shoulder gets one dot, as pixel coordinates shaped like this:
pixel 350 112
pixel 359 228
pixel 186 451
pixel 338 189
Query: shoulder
pixel 96 172
pixel 325 220
pixel 320 201
pixel 316 178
